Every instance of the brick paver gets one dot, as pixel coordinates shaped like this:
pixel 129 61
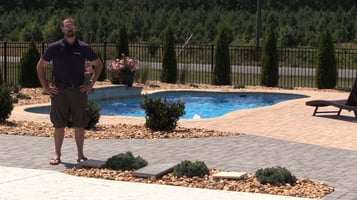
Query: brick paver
pixel 319 148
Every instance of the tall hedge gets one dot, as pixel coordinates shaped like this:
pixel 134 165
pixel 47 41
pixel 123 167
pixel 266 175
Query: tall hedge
pixel 222 64
pixel 27 68
pixel 169 62
pixel 326 71
pixel 270 61
pixel 123 43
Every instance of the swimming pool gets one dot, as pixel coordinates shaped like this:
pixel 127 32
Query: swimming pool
pixel 198 104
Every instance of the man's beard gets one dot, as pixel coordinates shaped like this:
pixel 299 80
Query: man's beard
pixel 70 34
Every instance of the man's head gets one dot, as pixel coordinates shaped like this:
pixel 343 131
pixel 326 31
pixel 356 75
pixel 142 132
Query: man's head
pixel 69 27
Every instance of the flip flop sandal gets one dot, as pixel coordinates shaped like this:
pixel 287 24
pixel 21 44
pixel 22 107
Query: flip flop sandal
pixel 82 159
pixel 55 161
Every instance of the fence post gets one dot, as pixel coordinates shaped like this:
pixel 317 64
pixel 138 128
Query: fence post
pixel 5 62
pixel 212 58
pixel 104 55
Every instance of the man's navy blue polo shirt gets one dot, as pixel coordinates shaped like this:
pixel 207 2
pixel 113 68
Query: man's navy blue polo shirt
pixel 69 60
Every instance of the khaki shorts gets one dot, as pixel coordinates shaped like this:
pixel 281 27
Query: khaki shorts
pixel 69 103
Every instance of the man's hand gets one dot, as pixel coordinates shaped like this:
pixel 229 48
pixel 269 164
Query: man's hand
pixel 87 87
pixel 51 89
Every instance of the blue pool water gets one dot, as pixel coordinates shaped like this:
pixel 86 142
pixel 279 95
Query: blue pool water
pixel 199 104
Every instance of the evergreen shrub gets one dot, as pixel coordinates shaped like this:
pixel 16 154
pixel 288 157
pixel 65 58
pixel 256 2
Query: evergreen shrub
pixel 191 169
pixel 125 161
pixel 162 115
pixel 27 69
pixel 275 176
pixel 326 71
pixel 169 62
pixel 123 43
pixel 270 62
pixel 222 64
pixel 6 103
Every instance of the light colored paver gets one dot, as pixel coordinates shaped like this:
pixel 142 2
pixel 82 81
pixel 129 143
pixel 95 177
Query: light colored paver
pixel 231 175
pixel 156 170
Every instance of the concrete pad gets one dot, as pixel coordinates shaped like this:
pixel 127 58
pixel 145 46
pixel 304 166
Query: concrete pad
pixel 156 170
pixel 92 163
pixel 231 175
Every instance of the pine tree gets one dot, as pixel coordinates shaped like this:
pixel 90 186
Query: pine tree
pixel 326 71
pixel 27 70
pixel 270 61
pixel 222 67
pixel 169 62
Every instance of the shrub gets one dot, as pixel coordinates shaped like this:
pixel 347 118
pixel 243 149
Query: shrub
pixel 5 103
pixel 222 69
pixel 275 176
pixel 270 62
pixel 169 62
pixel 27 74
pixel 125 162
pixel 22 96
pixel 191 169
pixel 123 43
pixel 94 115
pixel 162 115
pixel 326 71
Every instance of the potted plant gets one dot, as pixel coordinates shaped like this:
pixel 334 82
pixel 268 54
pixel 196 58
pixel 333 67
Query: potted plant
pixel 122 71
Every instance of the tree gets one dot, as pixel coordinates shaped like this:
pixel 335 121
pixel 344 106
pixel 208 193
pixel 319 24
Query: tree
pixel 222 64
pixel 27 73
pixel 51 31
pixel 326 71
pixel 270 62
pixel 169 62
pixel 123 43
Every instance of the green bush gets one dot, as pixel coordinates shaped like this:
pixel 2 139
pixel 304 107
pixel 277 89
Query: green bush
pixel 222 64
pixel 326 71
pixel 5 103
pixel 123 43
pixel 162 115
pixel 169 61
pixel 22 96
pixel 270 62
pixel 28 74
pixel 125 162
pixel 191 169
pixel 94 115
pixel 275 176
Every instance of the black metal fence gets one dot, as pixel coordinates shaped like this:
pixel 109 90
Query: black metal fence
pixel 296 65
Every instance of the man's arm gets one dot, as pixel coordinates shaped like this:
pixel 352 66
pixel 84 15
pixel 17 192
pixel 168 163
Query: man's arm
pixel 41 74
pixel 98 66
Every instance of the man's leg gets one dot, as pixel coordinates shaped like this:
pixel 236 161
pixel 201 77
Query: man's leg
pixel 58 137
pixel 79 136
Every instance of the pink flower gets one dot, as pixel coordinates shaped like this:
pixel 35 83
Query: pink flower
pixel 124 64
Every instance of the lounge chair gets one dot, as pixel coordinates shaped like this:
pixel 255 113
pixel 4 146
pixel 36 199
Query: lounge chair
pixel 350 104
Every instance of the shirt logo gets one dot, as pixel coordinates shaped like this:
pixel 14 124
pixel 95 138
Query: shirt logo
pixel 77 53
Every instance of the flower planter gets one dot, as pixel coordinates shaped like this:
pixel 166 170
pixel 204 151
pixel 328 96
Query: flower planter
pixel 126 78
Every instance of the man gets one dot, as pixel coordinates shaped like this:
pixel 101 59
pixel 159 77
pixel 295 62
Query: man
pixel 68 89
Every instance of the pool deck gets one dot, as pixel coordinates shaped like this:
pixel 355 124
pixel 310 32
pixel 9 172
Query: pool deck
pixel 286 134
